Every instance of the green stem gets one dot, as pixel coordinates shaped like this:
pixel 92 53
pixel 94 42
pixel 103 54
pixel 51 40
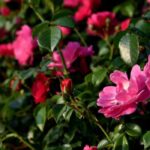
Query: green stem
pixel 111 52
pixel 111 47
pixel 63 61
pixel 20 138
pixel 92 117
pixel 80 36
pixel 100 126
pixel 37 13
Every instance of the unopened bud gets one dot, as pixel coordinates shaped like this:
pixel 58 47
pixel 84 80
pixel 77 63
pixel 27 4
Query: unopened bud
pixel 66 86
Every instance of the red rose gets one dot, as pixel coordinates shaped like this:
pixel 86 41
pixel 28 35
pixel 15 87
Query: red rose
pixel 40 88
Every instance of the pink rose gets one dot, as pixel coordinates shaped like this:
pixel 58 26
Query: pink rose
pixel 40 88
pixel 71 53
pixel 122 99
pixel 87 147
pixel 24 45
pixel 6 50
pixel 102 24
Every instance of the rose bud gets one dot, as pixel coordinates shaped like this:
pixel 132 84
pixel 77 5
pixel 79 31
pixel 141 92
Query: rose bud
pixel 66 86
pixel 15 84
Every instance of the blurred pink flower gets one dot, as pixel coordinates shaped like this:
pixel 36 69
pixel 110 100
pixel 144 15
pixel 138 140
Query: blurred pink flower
pixel 40 88
pixel 148 1
pixel 87 147
pixel 24 45
pixel 6 50
pixel 5 11
pixel 125 24
pixel 85 7
pixel 65 30
pixel 71 3
pixel 122 99
pixel 6 1
pixel 82 13
pixel 71 53
pixel 102 24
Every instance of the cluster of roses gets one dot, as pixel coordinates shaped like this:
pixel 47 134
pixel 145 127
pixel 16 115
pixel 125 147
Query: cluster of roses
pixel 100 24
pixel 115 101
pixel 74 55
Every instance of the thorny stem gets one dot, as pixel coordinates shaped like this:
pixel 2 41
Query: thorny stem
pixel 80 36
pixel 99 125
pixel 92 117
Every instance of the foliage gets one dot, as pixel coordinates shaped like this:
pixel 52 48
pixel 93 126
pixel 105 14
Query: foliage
pixel 75 55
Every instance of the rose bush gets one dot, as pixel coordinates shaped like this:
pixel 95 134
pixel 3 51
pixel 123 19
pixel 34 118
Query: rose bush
pixel 75 74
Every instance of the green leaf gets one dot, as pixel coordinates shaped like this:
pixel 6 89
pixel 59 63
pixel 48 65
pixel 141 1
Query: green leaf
pixel 146 139
pixel 127 9
pixel 49 38
pixel 2 21
pixel 50 5
pixel 58 111
pixel 125 144
pixel 143 26
pixel 147 15
pixel 62 13
pixel 53 134
pixel 121 143
pixel 98 75
pixel 67 113
pixel 88 77
pixel 35 3
pixel 129 48
pixel 2 128
pixel 25 74
pixel 40 27
pixel 65 22
pixel 62 111
pixel 40 117
pixel 102 144
pixel 133 129
pixel 119 128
